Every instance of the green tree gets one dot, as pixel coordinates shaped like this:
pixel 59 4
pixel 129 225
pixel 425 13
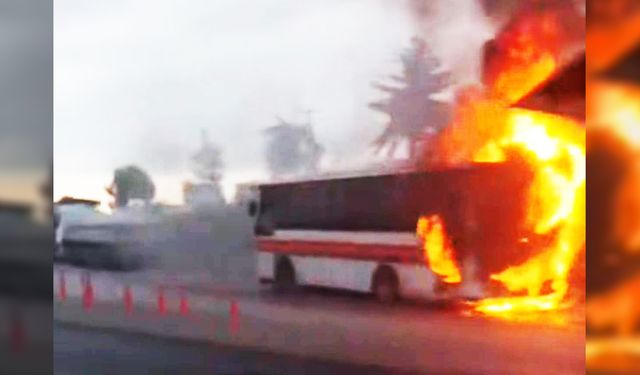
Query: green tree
pixel 412 111
pixel 131 182
pixel 292 149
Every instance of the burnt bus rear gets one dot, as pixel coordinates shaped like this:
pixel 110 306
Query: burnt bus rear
pixel 482 205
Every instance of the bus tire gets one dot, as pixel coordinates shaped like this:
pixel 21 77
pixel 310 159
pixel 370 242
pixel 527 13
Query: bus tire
pixel 385 285
pixel 285 275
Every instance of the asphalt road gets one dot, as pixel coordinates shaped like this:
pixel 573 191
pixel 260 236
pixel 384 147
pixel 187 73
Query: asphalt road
pixel 408 335
pixel 218 258
pixel 85 351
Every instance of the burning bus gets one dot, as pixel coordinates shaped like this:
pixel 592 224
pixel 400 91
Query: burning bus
pixel 359 232
pixel 495 212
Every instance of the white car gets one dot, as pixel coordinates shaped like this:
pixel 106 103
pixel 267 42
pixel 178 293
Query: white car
pixel 66 215
pixel 85 236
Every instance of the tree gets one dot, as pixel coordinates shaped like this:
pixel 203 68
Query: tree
pixel 411 110
pixel 131 182
pixel 292 149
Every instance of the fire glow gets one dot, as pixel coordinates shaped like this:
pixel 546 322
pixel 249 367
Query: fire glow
pixel 616 108
pixel 487 129
pixel 437 249
pixel 555 148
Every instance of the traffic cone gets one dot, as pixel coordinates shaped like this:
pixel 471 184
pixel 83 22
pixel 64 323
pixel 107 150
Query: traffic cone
pixel 234 317
pixel 184 304
pixel 128 300
pixel 17 333
pixel 161 303
pixel 87 294
pixel 62 287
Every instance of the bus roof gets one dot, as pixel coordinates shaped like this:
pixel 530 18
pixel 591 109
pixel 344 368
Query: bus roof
pixel 377 173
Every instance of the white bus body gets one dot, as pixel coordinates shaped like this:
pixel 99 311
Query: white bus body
pixel 350 260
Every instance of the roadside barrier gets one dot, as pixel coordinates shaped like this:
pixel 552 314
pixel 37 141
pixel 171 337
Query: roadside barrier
pixel 94 290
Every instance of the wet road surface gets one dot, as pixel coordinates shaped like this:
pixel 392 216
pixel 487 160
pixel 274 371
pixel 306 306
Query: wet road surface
pixel 87 351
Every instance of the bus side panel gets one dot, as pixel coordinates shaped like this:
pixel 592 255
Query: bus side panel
pixel 265 266
pixel 484 208
pixel 334 272
pixel 416 281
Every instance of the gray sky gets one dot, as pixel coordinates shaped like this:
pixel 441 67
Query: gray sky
pixel 136 80
pixel 26 97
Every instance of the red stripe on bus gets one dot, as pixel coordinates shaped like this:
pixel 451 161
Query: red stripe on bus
pixel 374 252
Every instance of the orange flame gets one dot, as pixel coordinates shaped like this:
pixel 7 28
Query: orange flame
pixel 555 148
pixel 487 129
pixel 437 249
pixel 616 108
pixel 513 86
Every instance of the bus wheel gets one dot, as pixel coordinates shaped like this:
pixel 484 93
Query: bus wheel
pixel 285 276
pixel 385 285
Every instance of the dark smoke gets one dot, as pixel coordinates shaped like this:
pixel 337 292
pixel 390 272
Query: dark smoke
pixel 292 150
